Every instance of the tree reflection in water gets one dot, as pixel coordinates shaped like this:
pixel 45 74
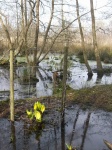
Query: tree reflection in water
pixel 13 135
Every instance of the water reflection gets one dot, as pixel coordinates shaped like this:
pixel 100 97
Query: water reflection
pixel 86 124
pixel 89 77
pixel 63 131
pixel 43 83
pixel 13 136
pixel 99 78
pixel 84 130
pixel 74 126
pixel 56 143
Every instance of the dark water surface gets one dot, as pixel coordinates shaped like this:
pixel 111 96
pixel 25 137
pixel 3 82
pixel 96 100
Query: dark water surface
pixel 82 129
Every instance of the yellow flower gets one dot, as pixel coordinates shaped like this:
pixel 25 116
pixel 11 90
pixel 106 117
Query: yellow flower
pixel 42 108
pixel 37 115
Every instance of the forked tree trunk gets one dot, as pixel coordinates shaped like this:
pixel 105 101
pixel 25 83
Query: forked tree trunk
pixel 82 41
pixel 99 65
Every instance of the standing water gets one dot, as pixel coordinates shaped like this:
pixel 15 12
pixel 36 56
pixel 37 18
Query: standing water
pixel 77 78
pixel 83 130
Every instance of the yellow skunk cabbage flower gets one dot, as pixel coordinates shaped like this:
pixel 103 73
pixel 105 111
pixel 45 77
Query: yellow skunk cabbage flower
pixel 35 106
pixel 39 107
pixel 38 116
pixel 37 113
pixel 42 108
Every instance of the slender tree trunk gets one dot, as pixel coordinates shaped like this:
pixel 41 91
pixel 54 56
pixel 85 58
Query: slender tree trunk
pixel 64 79
pixel 22 14
pixel 25 12
pixel 36 32
pixel 25 32
pixel 11 85
pixel 82 40
pixel 17 24
pixel 64 65
pixel 11 70
pixel 24 25
pixel 46 33
pixel 62 15
pixel 99 65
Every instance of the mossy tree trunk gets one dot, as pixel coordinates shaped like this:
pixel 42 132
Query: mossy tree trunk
pixel 82 40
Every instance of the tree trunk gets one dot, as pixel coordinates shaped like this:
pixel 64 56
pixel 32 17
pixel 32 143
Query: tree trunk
pixel 17 22
pixel 99 65
pixel 64 79
pixel 36 33
pixel 11 70
pixel 11 85
pixel 82 40
pixel 46 33
pixel 64 65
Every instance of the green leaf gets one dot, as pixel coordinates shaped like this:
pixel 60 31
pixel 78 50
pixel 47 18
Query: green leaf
pixel 30 114
pixel 69 147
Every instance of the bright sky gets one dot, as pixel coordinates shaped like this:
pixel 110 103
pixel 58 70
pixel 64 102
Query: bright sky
pixel 100 5
pixel 97 3
pixel 103 7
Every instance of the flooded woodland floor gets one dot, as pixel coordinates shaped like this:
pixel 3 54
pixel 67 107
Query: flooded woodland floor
pixel 87 118
pixel 84 126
